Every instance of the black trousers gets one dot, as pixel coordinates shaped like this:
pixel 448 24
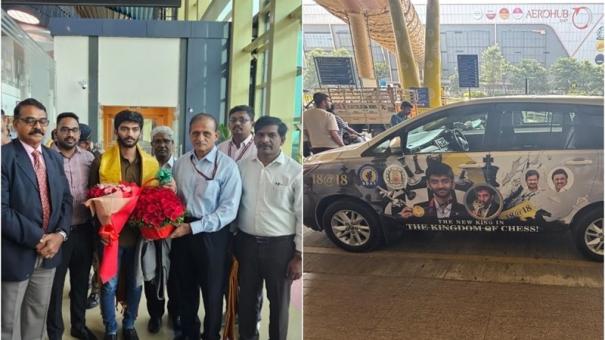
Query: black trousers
pixel 77 257
pixel 154 289
pixel 263 259
pixel 201 262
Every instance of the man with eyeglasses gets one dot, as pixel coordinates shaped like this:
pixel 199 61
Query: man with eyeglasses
pixel 36 219
pixel 241 144
pixel 209 184
pixel 77 251
pixel 239 147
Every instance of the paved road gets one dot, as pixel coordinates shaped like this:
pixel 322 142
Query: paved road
pixel 453 286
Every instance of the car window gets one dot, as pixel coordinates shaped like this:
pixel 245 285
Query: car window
pixel 453 132
pixel 391 145
pixel 586 128
pixel 545 126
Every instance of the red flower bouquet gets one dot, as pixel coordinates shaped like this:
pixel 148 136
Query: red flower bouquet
pixel 112 204
pixel 156 212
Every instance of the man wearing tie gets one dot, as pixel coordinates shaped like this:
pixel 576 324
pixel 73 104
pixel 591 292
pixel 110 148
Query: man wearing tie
pixel 36 216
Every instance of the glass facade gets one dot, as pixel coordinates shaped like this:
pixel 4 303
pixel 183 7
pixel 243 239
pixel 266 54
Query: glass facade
pixel 27 71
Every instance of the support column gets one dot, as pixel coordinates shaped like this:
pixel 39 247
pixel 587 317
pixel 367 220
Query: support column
pixel 283 74
pixel 362 48
pixel 408 71
pixel 239 60
pixel 432 54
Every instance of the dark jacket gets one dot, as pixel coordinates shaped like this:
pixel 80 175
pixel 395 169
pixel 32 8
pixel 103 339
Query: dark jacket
pixel 22 209
pixel 458 210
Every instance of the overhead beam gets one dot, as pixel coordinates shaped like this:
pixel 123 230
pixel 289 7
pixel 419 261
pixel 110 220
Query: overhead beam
pixel 215 9
pixel 138 3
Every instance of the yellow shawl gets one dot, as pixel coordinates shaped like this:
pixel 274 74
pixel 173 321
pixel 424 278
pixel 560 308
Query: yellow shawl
pixel 110 170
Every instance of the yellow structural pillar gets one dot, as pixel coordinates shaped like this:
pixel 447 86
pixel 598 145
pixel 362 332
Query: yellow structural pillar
pixel 239 65
pixel 408 71
pixel 362 48
pixel 283 56
pixel 432 54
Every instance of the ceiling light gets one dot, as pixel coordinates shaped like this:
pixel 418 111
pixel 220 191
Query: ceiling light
pixel 23 17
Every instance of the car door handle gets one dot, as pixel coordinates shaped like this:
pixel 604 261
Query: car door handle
pixel 579 162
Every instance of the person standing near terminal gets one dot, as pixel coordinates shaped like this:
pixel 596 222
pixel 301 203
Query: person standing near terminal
pixel 5 132
pixel 241 144
pixel 209 184
pixel 36 215
pixel 320 125
pixel 403 114
pixel 162 143
pixel 78 249
pixel 86 141
pixel 269 240
pixel 126 162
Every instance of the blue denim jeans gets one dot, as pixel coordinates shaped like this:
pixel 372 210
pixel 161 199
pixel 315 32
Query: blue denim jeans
pixel 133 294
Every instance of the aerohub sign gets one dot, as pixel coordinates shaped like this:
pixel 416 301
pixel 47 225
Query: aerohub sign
pixel 580 17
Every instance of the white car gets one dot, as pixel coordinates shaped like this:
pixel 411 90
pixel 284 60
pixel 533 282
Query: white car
pixel 504 164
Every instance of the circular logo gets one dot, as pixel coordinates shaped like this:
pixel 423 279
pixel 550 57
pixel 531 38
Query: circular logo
pixel 490 14
pixel 599 59
pixel 560 179
pixel 483 202
pixel 368 176
pixel 600 33
pixel 600 45
pixel 504 13
pixel 395 177
pixel 418 211
pixel 517 13
pixel 581 17
pixel 477 14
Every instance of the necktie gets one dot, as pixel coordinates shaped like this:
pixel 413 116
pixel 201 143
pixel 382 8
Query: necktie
pixel 43 186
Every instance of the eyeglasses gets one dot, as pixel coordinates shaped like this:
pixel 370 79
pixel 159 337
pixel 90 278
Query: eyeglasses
pixel 33 121
pixel 66 130
pixel 241 120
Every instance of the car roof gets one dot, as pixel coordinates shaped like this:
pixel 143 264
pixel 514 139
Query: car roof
pixel 588 100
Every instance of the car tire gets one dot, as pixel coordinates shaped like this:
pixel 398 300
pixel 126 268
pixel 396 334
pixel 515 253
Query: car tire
pixel 589 234
pixel 352 226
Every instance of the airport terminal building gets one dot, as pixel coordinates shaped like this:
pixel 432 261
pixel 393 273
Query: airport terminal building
pixel 540 31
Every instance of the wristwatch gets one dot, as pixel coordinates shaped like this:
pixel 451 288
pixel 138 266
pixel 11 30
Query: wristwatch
pixel 62 233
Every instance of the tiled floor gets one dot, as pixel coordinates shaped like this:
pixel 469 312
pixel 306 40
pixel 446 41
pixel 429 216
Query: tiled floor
pixel 95 322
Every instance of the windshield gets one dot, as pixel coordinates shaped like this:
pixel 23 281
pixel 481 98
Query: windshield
pixel 438 135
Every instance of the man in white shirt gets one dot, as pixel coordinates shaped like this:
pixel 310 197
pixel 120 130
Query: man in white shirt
pixel 162 143
pixel 320 125
pixel 241 144
pixel 269 242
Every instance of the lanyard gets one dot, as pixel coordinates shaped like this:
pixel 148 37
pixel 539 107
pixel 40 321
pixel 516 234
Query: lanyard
pixel 244 149
pixel 201 173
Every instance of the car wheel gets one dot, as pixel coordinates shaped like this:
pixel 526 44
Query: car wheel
pixel 589 234
pixel 352 226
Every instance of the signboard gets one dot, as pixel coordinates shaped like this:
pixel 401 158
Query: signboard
pixel 468 70
pixel 422 94
pixel 335 71
pixel 142 3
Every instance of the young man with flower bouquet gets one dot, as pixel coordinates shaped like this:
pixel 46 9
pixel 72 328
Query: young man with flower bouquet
pixel 123 162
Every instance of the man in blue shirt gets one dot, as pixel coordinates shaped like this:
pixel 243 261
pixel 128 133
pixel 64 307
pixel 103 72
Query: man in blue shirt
pixel 403 114
pixel 209 184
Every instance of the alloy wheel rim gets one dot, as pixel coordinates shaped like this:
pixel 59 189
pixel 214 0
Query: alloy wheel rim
pixel 350 227
pixel 593 236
